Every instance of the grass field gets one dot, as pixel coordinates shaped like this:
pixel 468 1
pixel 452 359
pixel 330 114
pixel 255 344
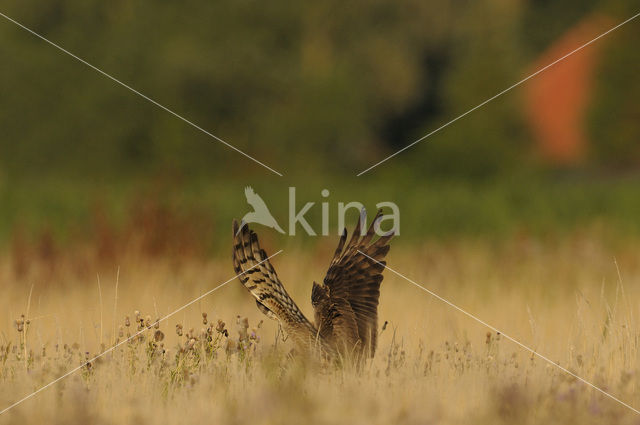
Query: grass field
pixel 569 298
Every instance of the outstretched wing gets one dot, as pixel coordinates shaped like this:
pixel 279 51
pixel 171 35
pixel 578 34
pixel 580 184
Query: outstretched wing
pixel 254 199
pixel 256 273
pixel 249 192
pixel 356 279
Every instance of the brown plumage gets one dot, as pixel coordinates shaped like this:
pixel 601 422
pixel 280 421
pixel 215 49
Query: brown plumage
pixel 345 304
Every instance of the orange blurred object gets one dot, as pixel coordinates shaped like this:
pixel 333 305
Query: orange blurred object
pixel 556 100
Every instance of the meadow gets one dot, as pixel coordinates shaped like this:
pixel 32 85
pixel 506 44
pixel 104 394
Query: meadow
pixel 115 214
pixel 571 298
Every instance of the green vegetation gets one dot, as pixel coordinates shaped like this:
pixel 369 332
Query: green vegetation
pixel 433 209
pixel 317 91
pixel 300 86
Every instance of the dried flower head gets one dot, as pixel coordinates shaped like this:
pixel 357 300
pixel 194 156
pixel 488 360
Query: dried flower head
pixel 191 343
pixel 158 336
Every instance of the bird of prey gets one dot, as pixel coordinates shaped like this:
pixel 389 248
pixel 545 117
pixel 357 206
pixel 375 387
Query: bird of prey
pixel 345 304
pixel 260 213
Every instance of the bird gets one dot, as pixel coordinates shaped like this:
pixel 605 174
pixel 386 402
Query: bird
pixel 345 304
pixel 260 213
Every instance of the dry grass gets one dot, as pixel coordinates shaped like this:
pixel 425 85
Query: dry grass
pixel 434 365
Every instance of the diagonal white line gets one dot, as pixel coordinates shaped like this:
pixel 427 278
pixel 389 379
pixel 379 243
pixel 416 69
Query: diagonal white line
pixel 532 351
pixel 500 94
pixel 140 94
pixel 72 371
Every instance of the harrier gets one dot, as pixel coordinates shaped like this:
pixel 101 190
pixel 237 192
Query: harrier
pixel 345 304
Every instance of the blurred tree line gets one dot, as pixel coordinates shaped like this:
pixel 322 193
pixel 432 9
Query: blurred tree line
pixel 329 86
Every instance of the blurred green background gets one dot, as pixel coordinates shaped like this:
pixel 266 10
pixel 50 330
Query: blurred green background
pixel 319 92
